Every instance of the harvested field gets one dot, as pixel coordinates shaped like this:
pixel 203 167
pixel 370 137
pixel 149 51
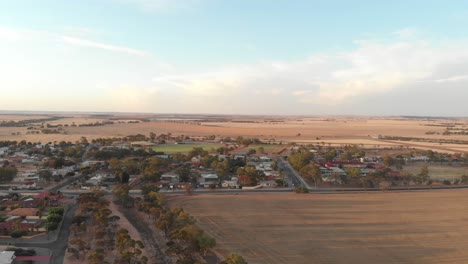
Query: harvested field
pixel 395 227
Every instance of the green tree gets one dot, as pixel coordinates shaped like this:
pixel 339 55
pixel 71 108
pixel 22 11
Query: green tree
pixel 205 243
pixel 184 173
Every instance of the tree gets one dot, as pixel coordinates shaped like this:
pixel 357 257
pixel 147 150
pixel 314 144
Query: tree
pixel 353 172
pixel 147 188
pixel 152 136
pixel 205 243
pixel 234 259
pixel 124 177
pixel 388 161
pixel 274 165
pixel 330 155
pixel 312 172
pixel 121 191
pixel 424 173
pixel 300 159
pixel 184 173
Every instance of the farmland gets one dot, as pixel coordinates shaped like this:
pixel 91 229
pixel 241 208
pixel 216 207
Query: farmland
pixel 396 227
pixel 374 132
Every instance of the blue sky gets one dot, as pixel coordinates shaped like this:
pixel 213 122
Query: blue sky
pixel 245 57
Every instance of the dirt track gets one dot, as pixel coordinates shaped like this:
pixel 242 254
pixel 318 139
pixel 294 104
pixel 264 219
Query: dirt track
pixel 416 227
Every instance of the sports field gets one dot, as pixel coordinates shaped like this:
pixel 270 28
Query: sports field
pixel 184 148
pixel 395 227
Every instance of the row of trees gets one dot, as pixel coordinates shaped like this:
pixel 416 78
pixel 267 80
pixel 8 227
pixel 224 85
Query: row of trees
pixel 96 232
pixel 184 237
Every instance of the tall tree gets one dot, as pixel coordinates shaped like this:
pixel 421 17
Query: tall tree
pixel 312 172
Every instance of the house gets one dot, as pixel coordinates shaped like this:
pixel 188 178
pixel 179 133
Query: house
pixel 30 224
pixel 195 160
pixel 244 180
pixel 169 178
pixel 332 174
pixel 3 150
pixel 345 164
pixel 233 183
pixel 10 224
pixel 208 179
pixel 7 257
pixel 25 212
pixel 420 158
pixel 267 183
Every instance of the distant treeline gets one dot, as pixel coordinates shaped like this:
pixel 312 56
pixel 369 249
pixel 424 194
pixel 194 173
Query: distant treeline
pixel 446 141
pixel 27 122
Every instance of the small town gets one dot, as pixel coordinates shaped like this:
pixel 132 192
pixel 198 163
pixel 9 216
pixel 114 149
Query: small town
pixel 53 192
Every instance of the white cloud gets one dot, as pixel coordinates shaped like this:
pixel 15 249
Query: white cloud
pixel 452 79
pixel 408 32
pixel 8 34
pixel 93 44
pixel 331 79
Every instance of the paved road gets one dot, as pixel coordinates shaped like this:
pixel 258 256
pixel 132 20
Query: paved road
pixel 292 174
pixel 58 241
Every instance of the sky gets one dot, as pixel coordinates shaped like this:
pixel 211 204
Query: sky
pixel 282 57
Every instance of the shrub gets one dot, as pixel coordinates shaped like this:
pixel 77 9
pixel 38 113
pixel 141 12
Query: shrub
pixel 57 210
pixel 446 182
pixel 18 233
pixel 385 185
pixel 56 218
pixel 302 190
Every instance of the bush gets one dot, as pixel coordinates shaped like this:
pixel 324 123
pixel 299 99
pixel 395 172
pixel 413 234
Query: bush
pixel 385 185
pixel 446 182
pixel 56 218
pixel 51 226
pixel 57 210
pixel 18 233
pixel 302 190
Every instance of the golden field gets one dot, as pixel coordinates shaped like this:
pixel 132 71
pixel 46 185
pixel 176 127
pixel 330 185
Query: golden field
pixel 395 227
pixel 316 130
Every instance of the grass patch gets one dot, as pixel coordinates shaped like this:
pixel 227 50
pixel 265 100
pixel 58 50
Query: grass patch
pixel 439 172
pixel 266 147
pixel 184 148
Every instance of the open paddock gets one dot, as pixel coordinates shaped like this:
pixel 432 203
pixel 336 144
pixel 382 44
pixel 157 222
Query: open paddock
pixel 393 227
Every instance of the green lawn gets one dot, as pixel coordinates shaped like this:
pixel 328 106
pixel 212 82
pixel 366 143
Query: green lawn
pixel 185 148
pixel 266 147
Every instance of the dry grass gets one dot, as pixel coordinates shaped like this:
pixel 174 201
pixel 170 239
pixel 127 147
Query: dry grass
pixel 439 172
pixel 406 227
